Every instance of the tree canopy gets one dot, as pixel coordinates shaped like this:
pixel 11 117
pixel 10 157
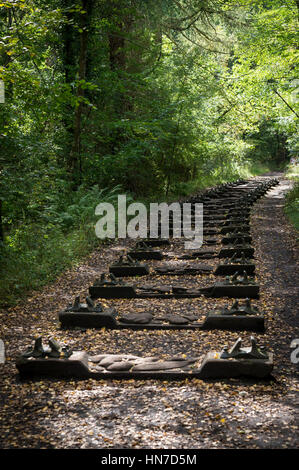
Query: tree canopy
pixel 143 96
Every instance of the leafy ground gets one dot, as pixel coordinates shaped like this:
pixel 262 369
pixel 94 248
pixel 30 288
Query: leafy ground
pixel 193 414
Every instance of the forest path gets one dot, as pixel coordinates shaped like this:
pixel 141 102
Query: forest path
pixel 193 414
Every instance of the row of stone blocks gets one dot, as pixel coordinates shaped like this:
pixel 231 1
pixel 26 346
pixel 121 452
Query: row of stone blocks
pixel 246 288
pixel 233 319
pixel 129 267
pixel 58 361
pixel 234 289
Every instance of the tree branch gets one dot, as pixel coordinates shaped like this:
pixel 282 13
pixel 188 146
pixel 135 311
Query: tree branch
pixel 289 106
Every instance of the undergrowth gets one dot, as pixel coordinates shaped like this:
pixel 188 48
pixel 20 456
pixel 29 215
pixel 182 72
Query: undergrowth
pixel 38 251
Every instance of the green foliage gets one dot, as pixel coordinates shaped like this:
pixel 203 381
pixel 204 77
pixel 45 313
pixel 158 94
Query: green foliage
pixel 292 171
pixel 292 205
pixel 155 99
pixel 36 252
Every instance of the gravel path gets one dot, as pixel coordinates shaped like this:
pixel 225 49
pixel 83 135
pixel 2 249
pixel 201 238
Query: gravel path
pixel 192 414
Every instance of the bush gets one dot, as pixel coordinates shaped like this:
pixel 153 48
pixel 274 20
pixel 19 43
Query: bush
pixel 37 252
pixel 292 205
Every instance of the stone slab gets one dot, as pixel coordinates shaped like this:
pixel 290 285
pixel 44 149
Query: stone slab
pixel 234 322
pixel 250 291
pixel 238 212
pixel 210 241
pixel 202 254
pixel 123 271
pixel 89 319
pixel 213 367
pixel 159 326
pixel 124 366
pixel 236 221
pixel 147 255
pixel 231 239
pixel 226 269
pixel 156 242
pixel 184 270
pixel 229 252
pixel 231 228
pixel 209 231
pixel 112 292
pixel 74 366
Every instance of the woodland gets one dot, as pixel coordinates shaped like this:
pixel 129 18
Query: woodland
pixel 160 101
pixel 150 98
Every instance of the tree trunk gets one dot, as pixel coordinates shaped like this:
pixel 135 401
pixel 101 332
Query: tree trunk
pixel 1 224
pixel 75 154
pixel 116 50
pixel 5 60
pixel 118 63
pixel 70 64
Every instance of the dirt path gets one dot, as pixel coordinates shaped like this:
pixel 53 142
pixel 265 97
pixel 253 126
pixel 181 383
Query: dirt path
pixel 192 414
